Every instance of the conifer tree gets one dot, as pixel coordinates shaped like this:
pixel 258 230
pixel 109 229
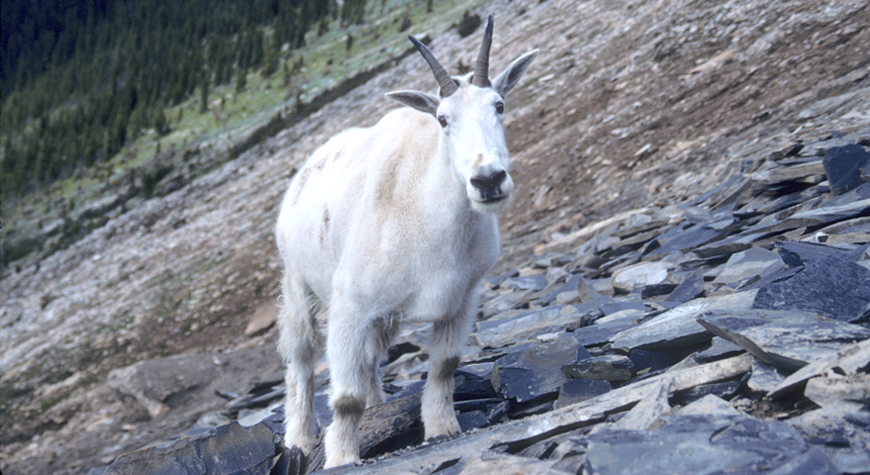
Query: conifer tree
pixel 203 94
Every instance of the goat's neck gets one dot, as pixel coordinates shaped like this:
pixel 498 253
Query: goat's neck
pixel 447 186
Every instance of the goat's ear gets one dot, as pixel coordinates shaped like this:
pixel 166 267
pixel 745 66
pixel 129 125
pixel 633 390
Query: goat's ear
pixel 418 100
pixel 511 76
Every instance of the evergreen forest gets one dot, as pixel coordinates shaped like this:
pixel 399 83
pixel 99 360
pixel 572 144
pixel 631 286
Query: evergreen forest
pixel 82 78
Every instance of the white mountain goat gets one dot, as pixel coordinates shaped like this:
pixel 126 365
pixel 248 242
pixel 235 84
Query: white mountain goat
pixel 388 224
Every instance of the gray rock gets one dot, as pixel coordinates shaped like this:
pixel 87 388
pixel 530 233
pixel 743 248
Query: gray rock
pixel 765 377
pixel 721 248
pixel 725 390
pixel 599 333
pixel 647 413
pixel 655 290
pixel 848 361
pixel 481 412
pixel 805 253
pixel 696 444
pixel 579 390
pixel 813 461
pixel 655 360
pixel 787 340
pixel 843 164
pixel 226 449
pixel 678 326
pixel 532 282
pixel 496 334
pixel 154 382
pixel 778 173
pixel 690 288
pixel 643 274
pixel 517 433
pixel 477 381
pixel 841 433
pixel 749 263
pixel 536 372
pixel 695 236
pixel 822 216
pixel 839 391
pixel 610 308
pixel 601 368
pixel 719 348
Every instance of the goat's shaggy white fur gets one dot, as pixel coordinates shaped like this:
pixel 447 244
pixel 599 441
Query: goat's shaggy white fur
pixel 388 224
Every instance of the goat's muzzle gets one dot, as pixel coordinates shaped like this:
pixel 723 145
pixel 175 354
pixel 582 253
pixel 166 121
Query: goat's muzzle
pixel 489 187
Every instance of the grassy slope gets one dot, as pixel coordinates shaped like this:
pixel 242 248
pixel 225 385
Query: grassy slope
pixel 38 224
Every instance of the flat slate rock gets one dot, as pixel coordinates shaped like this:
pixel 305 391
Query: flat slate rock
pixel 764 377
pixel 719 348
pixel 678 326
pixel 837 391
pixel 694 236
pixel 637 275
pixel 536 372
pixel 655 360
pixel 578 390
pixel 839 290
pixel 749 263
pixel 786 339
pixel 847 361
pixel 532 282
pixel 804 253
pixel 821 216
pixel 842 435
pixel 696 444
pixel 599 333
pixel 476 381
pixel 843 165
pixel 689 289
pixel 226 449
pixel 601 368
pixel 500 333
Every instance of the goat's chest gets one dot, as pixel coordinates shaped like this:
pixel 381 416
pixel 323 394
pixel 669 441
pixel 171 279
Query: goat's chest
pixel 420 270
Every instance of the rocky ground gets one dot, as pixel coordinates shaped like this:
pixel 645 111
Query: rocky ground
pixel 676 240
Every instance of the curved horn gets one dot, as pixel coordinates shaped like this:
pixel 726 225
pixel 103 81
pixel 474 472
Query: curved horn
pixel 445 82
pixel 481 70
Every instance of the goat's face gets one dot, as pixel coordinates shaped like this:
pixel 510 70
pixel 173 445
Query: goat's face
pixel 470 111
pixel 471 120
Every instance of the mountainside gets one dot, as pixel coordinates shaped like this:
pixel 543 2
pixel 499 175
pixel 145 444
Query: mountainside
pixel 630 107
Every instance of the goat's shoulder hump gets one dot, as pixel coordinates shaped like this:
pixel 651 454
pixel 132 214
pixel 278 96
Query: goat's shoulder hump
pixel 409 122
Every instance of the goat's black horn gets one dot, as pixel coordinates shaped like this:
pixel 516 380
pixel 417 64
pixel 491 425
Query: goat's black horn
pixel 445 82
pixel 481 69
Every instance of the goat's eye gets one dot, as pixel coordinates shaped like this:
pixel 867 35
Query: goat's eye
pixel 499 107
pixel 442 120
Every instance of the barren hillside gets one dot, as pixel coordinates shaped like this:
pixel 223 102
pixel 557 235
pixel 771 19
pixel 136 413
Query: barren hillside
pixel 630 105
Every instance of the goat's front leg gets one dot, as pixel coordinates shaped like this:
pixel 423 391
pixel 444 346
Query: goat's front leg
pixel 447 339
pixel 350 374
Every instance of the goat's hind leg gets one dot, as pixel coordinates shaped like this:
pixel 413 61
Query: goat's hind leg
pixel 300 345
pixel 378 341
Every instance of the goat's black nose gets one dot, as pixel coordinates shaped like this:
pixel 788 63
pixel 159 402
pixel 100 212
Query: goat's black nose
pixel 489 183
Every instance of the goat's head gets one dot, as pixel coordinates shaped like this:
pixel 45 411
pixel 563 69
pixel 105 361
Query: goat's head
pixel 471 112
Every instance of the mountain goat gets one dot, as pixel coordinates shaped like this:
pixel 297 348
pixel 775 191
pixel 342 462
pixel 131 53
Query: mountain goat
pixel 389 224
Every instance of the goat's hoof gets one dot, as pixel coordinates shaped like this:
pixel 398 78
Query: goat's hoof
pixel 445 429
pixel 305 446
pixel 339 460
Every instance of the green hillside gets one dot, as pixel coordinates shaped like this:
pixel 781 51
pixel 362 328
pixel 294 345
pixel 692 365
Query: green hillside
pixel 105 104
